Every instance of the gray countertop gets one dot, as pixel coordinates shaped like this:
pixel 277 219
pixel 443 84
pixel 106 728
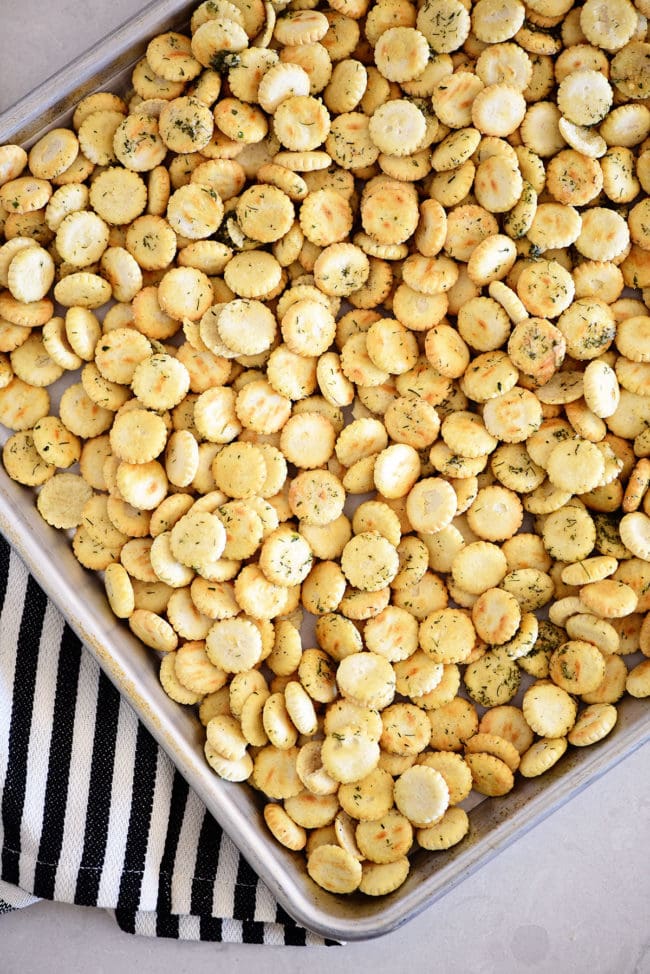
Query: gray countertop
pixel 571 895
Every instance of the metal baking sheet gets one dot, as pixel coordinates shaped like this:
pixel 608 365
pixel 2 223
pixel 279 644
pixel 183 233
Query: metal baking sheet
pixel 495 823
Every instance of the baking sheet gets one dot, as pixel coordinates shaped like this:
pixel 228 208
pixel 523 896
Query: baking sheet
pixel 133 668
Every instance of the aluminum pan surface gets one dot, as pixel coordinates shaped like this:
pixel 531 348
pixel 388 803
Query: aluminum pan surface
pixel 133 668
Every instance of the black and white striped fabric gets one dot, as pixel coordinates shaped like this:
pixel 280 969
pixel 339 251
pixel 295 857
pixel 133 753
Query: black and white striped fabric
pixel 92 811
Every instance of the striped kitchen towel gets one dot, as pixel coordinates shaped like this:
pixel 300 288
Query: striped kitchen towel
pixel 92 811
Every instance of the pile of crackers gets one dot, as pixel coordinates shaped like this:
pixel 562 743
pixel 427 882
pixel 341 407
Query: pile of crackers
pixel 352 301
